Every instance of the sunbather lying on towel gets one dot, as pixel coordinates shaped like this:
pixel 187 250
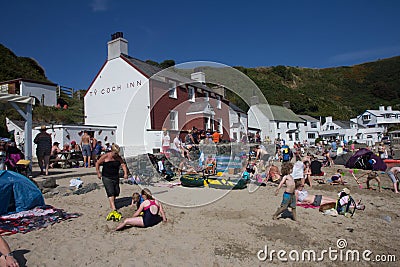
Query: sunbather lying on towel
pixel 316 200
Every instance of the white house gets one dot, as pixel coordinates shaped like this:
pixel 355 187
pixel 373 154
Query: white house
pixel 379 118
pixel 142 100
pixel 44 93
pixel 238 122
pixel 63 134
pixel 310 130
pixel 274 122
pixel 350 131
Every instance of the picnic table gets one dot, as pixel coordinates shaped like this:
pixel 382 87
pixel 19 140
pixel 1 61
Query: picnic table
pixel 68 159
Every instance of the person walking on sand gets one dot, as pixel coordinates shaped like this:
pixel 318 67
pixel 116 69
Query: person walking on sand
pixel 86 149
pixel 289 197
pixel 6 256
pixel 43 149
pixel 111 162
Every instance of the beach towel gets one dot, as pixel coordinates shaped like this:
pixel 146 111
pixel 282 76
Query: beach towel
pixel 36 218
pixel 307 206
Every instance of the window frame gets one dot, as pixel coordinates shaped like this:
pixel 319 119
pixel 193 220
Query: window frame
pixel 191 94
pixel 172 89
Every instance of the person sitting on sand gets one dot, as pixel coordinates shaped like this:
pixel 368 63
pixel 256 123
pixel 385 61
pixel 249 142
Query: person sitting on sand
pixel 137 199
pixel 273 173
pixel 337 178
pixel 289 198
pixel 307 174
pixel 184 167
pixel 210 165
pixel 6 256
pixel 151 209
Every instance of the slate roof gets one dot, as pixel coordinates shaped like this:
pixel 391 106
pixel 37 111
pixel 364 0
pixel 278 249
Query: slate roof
pixel 151 70
pixel 308 118
pixel 236 108
pixel 279 113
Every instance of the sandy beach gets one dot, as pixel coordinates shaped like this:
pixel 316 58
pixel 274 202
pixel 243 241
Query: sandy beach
pixel 228 232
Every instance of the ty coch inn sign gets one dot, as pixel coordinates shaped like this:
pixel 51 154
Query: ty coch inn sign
pixel 115 88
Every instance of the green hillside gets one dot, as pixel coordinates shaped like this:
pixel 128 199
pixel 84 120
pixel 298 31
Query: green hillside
pixel 13 67
pixel 341 92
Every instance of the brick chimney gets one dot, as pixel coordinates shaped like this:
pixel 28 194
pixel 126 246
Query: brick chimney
pixel 117 46
pixel 198 76
pixel 286 104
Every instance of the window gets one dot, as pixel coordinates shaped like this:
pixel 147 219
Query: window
pixel 311 135
pixel 290 137
pixel 206 96
pixel 172 89
pixel 296 136
pixel 191 94
pixel 220 127
pixel 277 125
pixel 366 117
pixel 207 123
pixel 218 102
pixel 173 118
pixel 314 125
pixel 387 116
pixel 331 127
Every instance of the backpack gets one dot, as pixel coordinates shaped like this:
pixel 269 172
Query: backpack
pixel 345 203
pixel 286 153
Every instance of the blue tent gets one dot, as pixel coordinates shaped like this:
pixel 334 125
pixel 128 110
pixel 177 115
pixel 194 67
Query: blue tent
pixel 18 193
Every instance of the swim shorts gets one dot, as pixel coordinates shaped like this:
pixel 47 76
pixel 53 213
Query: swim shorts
pixel 86 151
pixel 112 186
pixel 392 176
pixel 317 200
pixel 288 200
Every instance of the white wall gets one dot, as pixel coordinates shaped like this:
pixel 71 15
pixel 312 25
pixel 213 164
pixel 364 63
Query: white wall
pixel 119 91
pixel 234 118
pixel 257 119
pixel 37 90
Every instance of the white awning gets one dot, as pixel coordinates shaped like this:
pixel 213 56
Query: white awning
pixel 7 98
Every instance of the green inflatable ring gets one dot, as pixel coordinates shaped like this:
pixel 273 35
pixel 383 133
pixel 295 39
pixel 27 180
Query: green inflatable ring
pixel 192 180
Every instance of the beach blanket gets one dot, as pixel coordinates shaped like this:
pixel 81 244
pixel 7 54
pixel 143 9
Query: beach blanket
pixel 36 218
pixel 307 206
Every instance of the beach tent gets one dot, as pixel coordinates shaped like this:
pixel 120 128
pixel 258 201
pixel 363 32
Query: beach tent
pixel 365 159
pixel 18 193
pixel 342 158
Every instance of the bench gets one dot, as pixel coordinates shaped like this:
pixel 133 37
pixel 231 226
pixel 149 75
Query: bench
pixel 68 159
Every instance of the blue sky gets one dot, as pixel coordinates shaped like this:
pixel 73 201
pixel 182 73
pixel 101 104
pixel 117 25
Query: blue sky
pixel 69 38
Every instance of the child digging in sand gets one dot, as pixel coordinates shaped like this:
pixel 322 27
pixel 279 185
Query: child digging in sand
pixel 151 209
pixel 289 197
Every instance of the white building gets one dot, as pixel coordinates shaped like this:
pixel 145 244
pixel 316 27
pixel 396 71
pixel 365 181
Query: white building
pixel 350 131
pixel 238 122
pixel 274 122
pixel 142 99
pixel 44 93
pixel 379 118
pixel 310 130
pixel 63 134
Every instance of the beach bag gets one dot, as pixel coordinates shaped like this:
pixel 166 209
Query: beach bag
pixel 345 205
pixel 286 153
